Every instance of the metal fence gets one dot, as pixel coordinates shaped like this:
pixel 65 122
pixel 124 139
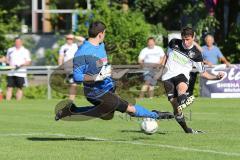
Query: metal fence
pixel 48 70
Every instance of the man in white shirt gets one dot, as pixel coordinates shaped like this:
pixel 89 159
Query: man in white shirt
pixel 18 57
pixel 182 55
pixel 66 55
pixel 150 58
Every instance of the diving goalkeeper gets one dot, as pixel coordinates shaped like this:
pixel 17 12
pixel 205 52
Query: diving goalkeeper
pixel 90 67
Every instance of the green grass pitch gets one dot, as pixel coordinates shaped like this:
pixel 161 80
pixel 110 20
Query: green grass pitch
pixel 28 132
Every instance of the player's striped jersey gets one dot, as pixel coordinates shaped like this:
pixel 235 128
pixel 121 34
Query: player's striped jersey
pixel 89 60
pixel 181 60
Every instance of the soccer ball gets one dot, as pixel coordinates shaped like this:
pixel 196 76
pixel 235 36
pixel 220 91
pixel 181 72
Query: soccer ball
pixel 149 125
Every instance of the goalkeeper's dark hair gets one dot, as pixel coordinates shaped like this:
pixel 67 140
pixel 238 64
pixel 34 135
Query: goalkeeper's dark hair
pixel 187 31
pixel 95 28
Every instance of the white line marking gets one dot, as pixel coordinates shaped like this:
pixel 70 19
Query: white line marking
pixel 180 148
pixel 123 142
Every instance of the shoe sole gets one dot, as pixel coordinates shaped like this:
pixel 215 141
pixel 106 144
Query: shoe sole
pixel 60 106
pixel 189 101
pixel 198 132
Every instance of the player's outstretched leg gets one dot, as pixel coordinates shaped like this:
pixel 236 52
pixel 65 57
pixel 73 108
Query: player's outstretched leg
pixel 104 108
pixel 140 111
pixel 66 109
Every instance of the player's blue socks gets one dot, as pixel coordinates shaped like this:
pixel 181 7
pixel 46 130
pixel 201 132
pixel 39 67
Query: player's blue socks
pixel 143 112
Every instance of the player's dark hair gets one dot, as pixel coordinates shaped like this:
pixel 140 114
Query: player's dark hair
pixel 151 38
pixel 95 28
pixel 187 31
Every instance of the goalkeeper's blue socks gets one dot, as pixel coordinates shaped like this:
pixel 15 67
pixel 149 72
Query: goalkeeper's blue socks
pixel 143 112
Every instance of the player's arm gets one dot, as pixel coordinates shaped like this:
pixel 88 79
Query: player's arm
pixel 79 67
pixel 78 73
pixel 198 63
pixel 203 73
pixel 209 76
pixel 81 75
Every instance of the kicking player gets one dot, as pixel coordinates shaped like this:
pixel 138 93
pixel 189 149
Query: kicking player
pixel 90 67
pixel 182 55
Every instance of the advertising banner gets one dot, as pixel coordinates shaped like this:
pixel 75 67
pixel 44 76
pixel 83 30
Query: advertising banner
pixel 228 87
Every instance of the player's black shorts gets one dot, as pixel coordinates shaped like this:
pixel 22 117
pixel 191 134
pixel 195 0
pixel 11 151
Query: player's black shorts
pixel 14 81
pixel 171 84
pixel 110 102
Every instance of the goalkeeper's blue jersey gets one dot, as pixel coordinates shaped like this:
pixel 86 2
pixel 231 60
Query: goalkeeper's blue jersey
pixel 89 60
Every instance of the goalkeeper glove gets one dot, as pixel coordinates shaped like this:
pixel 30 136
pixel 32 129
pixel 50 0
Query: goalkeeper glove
pixel 104 73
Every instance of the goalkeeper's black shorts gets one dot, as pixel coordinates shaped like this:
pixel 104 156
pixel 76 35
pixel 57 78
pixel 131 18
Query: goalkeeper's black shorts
pixel 109 102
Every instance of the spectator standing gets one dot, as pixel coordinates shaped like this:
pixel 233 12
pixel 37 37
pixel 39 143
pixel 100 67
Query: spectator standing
pixel 212 54
pixel 18 57
pixel 66 54
pixel 150 58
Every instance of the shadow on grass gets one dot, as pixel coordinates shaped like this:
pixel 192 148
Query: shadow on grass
pixel 82 139
pixel 139 131
pixel 63 139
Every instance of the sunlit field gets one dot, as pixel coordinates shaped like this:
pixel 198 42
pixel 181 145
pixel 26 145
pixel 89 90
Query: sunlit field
pixel 28 131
